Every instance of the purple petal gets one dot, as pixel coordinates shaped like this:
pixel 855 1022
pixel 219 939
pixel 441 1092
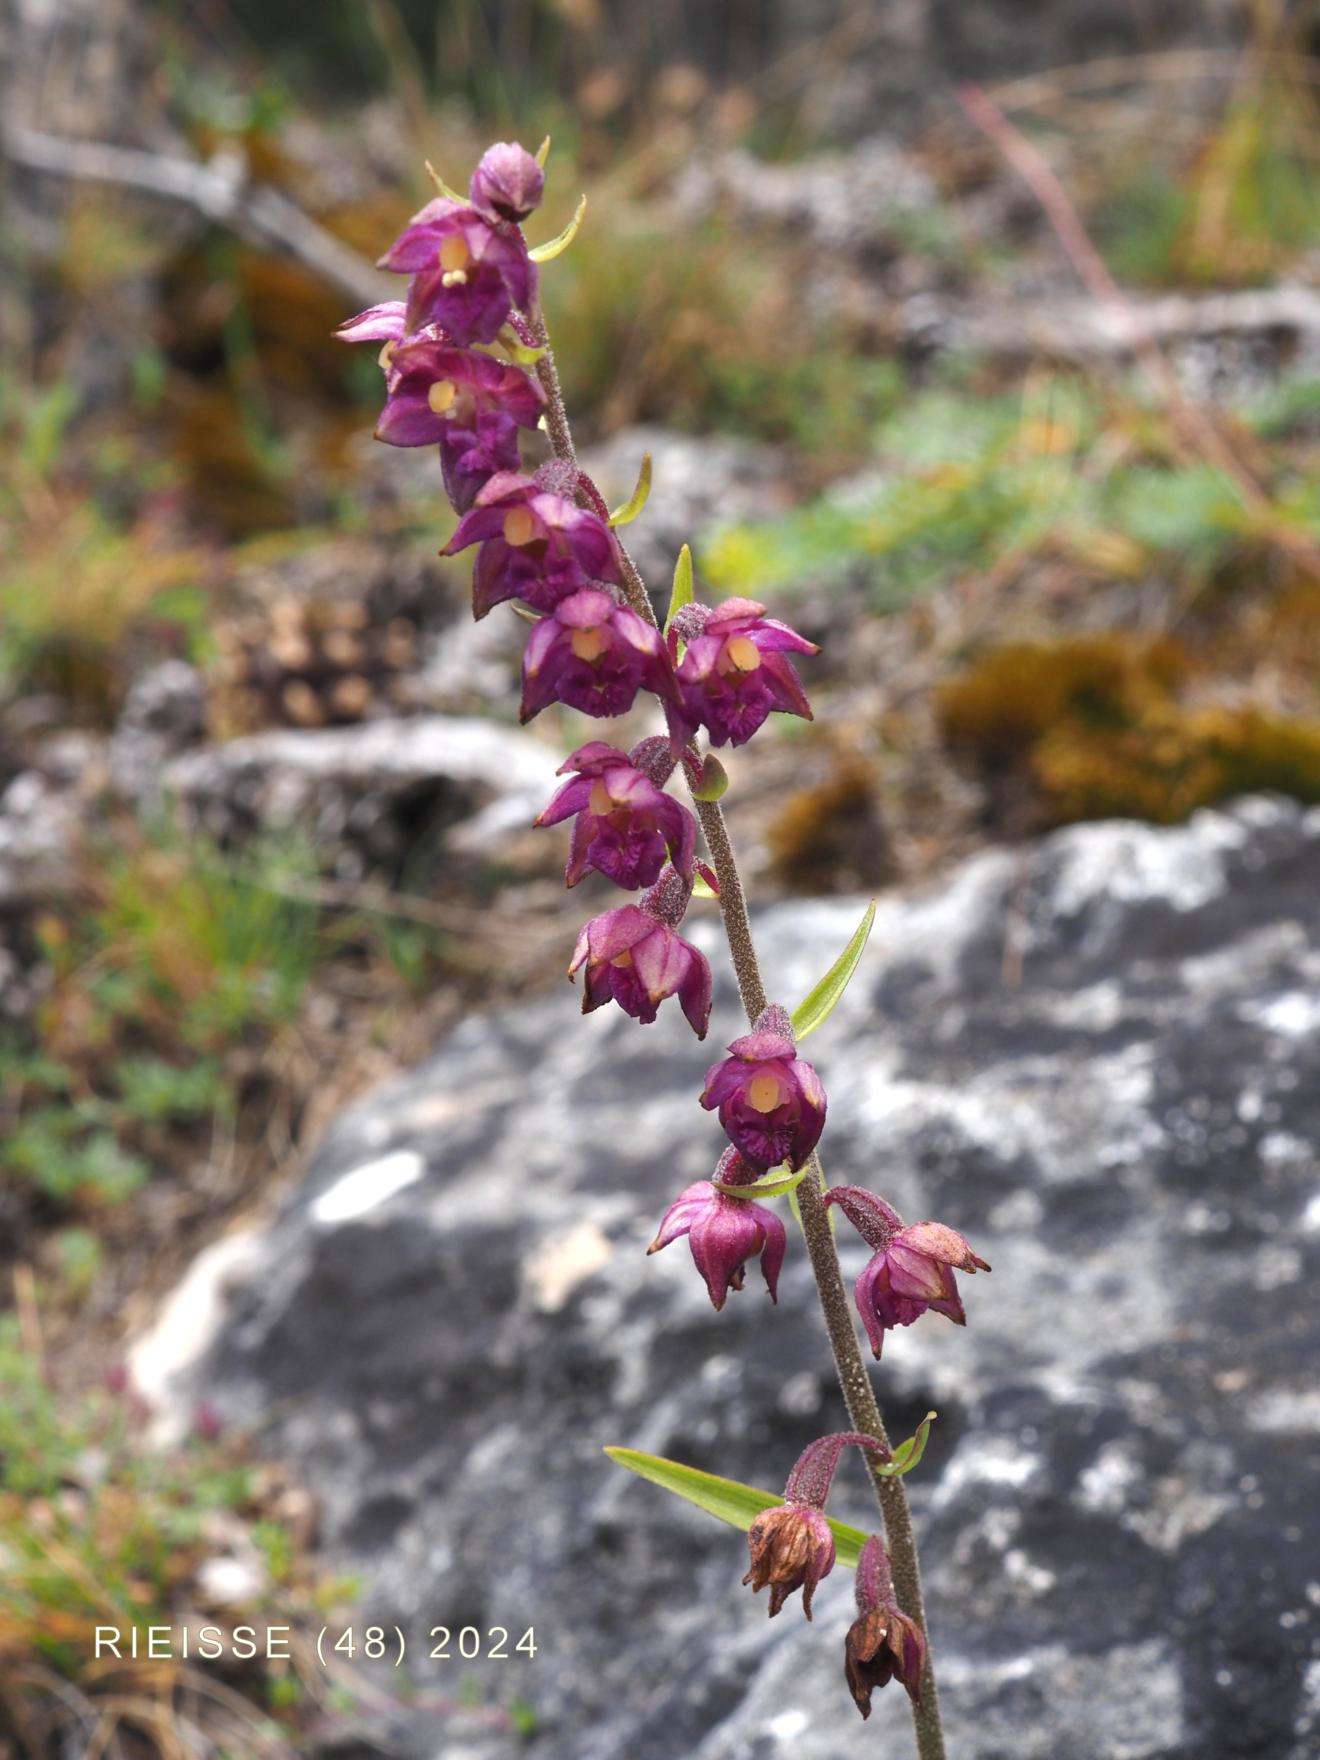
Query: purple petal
pixel 383 323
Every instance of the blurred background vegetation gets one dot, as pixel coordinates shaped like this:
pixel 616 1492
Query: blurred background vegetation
pixel 1057 575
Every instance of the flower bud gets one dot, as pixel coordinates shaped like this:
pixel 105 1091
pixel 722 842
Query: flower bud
pixel 507 183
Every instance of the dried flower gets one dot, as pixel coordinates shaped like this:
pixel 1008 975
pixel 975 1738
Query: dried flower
pixel 791 1547
pixel 883 1642
pixel 771 1103
pixel 470 404
pixel 725 1232
pixel 634 959
pixel 595 655
pixel 625 825
pixel 734 670
pixel 912 1267
pixel 536 544
pixel 467 274
pixel 507 183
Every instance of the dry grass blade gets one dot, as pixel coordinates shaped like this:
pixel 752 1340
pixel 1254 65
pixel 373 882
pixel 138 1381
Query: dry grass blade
pixel 1193 424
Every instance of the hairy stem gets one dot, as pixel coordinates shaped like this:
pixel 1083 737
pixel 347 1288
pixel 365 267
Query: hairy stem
pixel 854 1382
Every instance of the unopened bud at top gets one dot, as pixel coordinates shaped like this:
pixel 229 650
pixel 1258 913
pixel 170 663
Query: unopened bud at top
pixel 507 184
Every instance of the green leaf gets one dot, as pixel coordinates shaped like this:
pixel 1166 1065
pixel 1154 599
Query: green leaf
pixel 725 1499
pixel 816 1007
pixel 546 253
pixel 770 1185
pixel 682 593
pixel 714 781
pixel 625 515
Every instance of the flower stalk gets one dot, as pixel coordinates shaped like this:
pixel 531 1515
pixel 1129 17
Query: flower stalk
pixel 854 1383
pixel 548 542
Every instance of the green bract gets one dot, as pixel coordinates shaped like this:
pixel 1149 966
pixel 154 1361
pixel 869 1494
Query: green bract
pixel 816 1006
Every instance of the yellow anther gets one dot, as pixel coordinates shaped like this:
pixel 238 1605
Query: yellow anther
pixel 764 1092
pixel 742 653
pixel 386 355
pixel 454 278
pixel 519 527
pixel 622 959
pixel 441 395
pixel 599 799
pixel 588 644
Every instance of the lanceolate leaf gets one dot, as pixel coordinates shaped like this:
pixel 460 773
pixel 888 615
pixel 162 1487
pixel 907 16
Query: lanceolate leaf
pixel 682 593
pixel 816 1007
pixel 625 515
pixel 770 1185
pixel 546 253
pixel 543 152
pixel 727 1500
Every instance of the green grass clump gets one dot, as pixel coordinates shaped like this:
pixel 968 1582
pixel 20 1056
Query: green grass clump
pixel 966 483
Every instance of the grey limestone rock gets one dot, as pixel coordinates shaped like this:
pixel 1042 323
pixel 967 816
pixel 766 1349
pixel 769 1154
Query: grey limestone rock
pixel 364 790
pixel 1098 1059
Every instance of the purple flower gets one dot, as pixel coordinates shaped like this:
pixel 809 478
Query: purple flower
pixel 791 1547
pixel 625 825
pixel 634 959
pixel 471 404
pixel 911 1270
pixel 507 184
pixel 595 655
pixel 468 274
pixel 536 545
pixel 883 1643
pixel 724 1233
pixel 734 671
pixel 771 1103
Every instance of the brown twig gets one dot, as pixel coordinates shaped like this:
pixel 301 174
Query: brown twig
pixel 1191 422
pixel 219 189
